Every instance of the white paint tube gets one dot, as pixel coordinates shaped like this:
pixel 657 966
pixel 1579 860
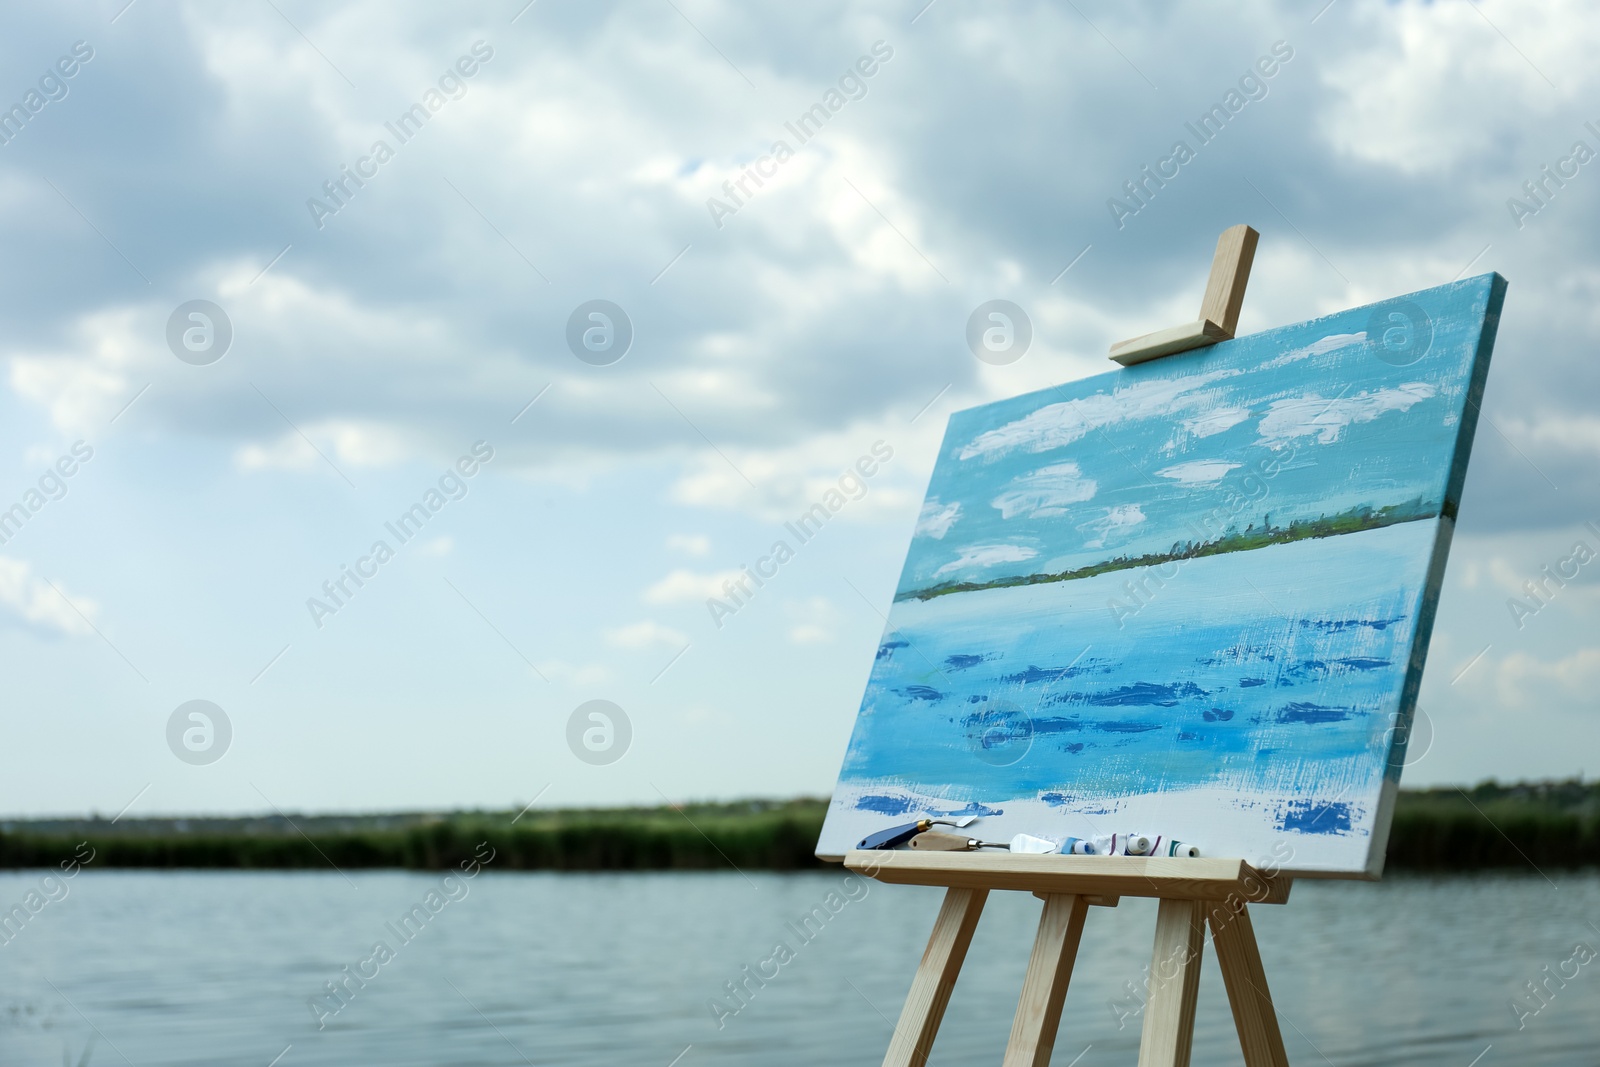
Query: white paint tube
pixel 1130 845
pixel 1027 843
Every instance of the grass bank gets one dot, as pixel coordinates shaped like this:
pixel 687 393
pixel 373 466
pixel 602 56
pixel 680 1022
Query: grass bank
pixel 1490 826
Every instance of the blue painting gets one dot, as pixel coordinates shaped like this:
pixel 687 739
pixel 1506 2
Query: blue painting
pixel 1190 597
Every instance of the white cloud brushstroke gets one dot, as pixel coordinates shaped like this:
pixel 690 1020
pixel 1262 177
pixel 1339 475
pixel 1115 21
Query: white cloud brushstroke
pixel 1114 523
pixel 1046 491
pixel 1324 419
pixel 1214 422
pixel 986 556
pixel 1198 472
pixel 937 518
pixel 1056 425
pixel 1331 343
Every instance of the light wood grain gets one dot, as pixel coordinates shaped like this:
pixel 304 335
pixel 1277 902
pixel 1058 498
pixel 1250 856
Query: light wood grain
pixel 1055 948
pixel 935 978
pixel 1168 342
pixel 1219 309
pixel 935 841
pixel 1240 960
pixel 1230 271
pixel 1174 984
pixel 1102 876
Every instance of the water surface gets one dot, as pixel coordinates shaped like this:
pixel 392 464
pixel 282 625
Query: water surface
pixel 606 970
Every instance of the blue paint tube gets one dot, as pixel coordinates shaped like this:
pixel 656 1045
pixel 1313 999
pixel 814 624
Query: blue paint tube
pixel 1077 846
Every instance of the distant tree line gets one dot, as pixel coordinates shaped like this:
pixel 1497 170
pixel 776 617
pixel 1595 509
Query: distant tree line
pixel 1526 826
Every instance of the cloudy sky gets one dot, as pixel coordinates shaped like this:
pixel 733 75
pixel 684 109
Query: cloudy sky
pixel 536 158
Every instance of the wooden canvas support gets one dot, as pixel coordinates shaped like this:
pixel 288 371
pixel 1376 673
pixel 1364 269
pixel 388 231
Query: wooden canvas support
pixel 1253 1015
pixel 1192 893
pixel 1219 310
pixel 1174 984
pixel 936 978
pixel 1044 988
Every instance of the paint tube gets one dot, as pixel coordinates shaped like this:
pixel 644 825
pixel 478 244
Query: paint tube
pixel 1028 844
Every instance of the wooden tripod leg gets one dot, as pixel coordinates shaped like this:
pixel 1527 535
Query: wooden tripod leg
pixel 1240 960
pixel 1055 947
pixel 936 978
pixel 1174 984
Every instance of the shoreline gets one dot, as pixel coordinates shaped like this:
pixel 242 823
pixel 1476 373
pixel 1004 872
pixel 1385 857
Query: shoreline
pixel 1490 826
pixel 1355 520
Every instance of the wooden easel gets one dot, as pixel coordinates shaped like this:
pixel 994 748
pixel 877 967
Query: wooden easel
pixel 1193 893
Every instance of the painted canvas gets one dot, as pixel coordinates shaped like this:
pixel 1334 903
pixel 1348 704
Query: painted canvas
pixel 1190 597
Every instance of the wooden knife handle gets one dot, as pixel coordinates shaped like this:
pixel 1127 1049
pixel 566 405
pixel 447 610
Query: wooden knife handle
pixel 934 841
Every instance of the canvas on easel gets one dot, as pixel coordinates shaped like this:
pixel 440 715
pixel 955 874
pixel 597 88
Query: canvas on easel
pixel 1191 596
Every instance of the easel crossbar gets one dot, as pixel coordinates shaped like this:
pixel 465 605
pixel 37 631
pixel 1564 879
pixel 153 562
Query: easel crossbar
pixel 1129 876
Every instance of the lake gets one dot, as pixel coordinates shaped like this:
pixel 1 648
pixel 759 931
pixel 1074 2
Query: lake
pixel 606 970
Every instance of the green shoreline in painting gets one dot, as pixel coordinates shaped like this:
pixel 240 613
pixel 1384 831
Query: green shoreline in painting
pixel 1353 520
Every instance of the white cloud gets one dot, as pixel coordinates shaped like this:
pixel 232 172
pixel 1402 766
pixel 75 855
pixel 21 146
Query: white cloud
pixel 1211 423
pixel 1579 434
pixel 1046 491
pixel 1435 78
pixel 685 585
pixel 1331 343
pixel 1198 471
pixel 645 634
pixel 986 556
pixel 1113 524
pixel 1056 425
pixel 1312 415
pixel 30 598
pixel 785 480
pixel 936 518
pixel 1526 682
pixel 360 443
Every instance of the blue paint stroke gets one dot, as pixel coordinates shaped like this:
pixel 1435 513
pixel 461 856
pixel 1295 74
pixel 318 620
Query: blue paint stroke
pixel 1305 711
pixel 1316 817
pixel 886 805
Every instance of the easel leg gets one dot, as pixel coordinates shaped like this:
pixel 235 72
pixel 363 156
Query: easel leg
pixel 936 978
pixel 1174 984
pixel 1240 960
pixel 1055 947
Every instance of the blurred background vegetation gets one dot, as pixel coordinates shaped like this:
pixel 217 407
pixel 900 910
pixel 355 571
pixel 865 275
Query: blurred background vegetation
pixel 1524 825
